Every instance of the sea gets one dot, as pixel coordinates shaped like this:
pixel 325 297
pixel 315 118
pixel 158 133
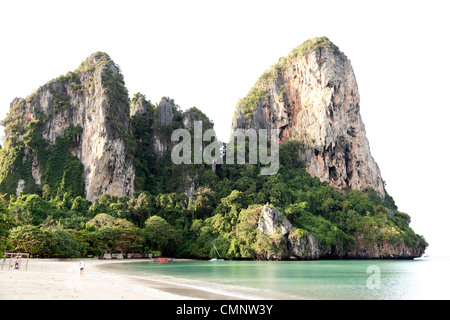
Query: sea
pixel 319 280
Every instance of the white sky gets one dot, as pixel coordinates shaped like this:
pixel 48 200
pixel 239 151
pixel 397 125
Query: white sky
pixel 208 54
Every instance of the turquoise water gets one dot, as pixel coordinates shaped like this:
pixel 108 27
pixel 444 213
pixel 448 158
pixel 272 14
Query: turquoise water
pixel 325 279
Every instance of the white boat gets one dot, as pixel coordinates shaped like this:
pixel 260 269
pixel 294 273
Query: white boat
pixel 423 257
pixel 217 252
pixel 215 259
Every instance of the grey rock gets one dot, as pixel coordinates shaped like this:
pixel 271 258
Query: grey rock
pixel 140 105
pixel 313 97
pixel 165 111
pixel 304 247
pixel 104 118
pixel 271 219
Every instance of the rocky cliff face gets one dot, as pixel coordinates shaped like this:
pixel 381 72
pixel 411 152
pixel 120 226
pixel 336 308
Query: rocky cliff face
pixel 312 96
pixel 92 98
pixel 76 136
pixel 301 245
pixel 152 127
pixel 294 246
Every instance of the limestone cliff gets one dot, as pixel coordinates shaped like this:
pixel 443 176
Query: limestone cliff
pixel 78 136
pixel 312 96
pixel 302 245
pixel 94 100
pixel 295 246
pixel 152 127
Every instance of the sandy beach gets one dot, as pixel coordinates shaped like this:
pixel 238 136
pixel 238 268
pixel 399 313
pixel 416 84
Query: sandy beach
pixel 59 279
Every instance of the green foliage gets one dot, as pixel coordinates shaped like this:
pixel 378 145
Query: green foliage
pixel 27 123
pixel 117 238
pixel 328 234
pixel 14 165
pixel 60 171
pixel 30 239
pixel 160 234
pixel 32 209
pixel 202 202
pixel 93 62
pixel 62 243
pixel 43 242
pixel 259 93
pixel 315 44
pixel 254 97
pixel 156 173
pixel 101 220
pixel 144 157
pixel 54 220
pixel 114 83
pixel 223 210
pixel 6 224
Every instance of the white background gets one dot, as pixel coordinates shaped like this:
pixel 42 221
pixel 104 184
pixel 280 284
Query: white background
pixel 208 54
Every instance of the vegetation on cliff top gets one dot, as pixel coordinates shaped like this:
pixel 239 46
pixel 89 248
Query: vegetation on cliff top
pixel 60 171
pixel 259 93
pixel 26 123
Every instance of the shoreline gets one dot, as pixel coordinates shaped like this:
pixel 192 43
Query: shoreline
pixel 59 279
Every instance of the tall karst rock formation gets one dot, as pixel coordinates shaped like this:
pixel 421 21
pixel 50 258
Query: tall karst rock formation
pixel 312 96
pixel 71 134
pixel 79 135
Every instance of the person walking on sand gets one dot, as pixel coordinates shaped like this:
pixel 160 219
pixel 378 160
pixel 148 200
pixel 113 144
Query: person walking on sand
pixel 82 265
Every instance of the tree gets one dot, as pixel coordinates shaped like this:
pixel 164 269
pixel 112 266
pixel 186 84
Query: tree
pixel 29 239
pixel 118 238
pixel 61 243
pixel 101 220
pixel 6 223
pixel 80 205
pixel 233 204
pixel 32 209
pixel 140 209
pixel 280 195
pixel 160 234
pixel 201 203
pixel 46 191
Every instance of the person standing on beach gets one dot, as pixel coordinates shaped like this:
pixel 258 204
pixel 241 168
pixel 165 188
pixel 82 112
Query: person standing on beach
pixel 82 265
